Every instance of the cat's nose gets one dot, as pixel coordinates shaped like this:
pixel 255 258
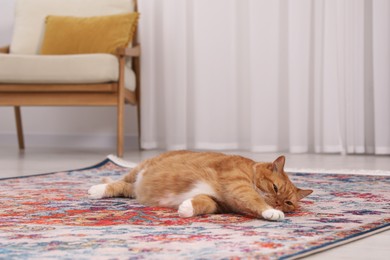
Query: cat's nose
pixel 279 204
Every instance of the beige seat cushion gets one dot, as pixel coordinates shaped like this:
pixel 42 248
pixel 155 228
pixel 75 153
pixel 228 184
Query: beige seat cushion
pixel 62 69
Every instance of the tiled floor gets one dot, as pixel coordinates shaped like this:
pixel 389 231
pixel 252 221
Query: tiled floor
pixel 42 160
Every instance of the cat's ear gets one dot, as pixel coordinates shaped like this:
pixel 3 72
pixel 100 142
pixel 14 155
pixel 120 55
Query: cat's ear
pixel 278 164
pixel 303 193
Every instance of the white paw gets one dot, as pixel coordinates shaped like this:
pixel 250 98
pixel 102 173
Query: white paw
pixel 273 214
pixel 97 191
pixel 185 209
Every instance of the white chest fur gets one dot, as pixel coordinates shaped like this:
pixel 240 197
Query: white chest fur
pixel 174 200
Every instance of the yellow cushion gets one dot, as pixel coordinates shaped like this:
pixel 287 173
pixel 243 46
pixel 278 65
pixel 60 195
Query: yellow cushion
pixel 97 34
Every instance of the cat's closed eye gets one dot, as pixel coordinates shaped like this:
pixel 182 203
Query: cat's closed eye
pixel 275 188
pixel 289 203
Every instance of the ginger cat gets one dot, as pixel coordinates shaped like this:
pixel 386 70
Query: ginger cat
pixel 198 183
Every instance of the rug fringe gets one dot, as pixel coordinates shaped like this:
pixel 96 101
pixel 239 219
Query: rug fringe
pixel 338 171
pixel 121 162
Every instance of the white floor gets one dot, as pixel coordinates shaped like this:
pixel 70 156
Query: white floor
pixel 42 160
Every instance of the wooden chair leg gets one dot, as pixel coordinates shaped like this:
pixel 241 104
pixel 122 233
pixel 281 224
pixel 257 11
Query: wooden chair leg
pixel 120 134
pixel 120 108
pixel 137 69
pixel 19 127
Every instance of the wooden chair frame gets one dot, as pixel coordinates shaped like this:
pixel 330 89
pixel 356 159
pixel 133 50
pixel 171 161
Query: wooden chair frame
pixel 107 94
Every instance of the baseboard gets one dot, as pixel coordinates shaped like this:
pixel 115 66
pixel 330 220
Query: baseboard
pixel 339 171
pixel 48 140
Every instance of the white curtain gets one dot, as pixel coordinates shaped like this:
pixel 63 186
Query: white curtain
pixel 266 75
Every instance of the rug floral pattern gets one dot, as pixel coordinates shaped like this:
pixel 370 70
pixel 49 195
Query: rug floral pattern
pixel 50 217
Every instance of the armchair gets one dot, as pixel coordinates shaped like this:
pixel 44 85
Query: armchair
pixel 28 78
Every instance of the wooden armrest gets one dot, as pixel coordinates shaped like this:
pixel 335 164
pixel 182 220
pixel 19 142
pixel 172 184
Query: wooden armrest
pixel 4 49
pixel 130 52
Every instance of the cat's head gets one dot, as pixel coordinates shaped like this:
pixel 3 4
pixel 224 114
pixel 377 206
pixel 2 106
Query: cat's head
pixel 275 187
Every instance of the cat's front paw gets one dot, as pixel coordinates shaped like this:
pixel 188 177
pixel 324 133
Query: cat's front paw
pixel 273 214
pixel 186 210
pixel 97 191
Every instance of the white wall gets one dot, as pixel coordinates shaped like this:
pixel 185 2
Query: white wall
pixel 61 126
pixel 6 21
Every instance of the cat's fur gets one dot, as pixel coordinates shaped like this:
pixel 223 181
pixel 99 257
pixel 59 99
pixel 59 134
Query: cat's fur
pixel 205 182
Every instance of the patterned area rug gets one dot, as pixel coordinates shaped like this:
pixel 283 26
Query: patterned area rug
pixel 49 216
